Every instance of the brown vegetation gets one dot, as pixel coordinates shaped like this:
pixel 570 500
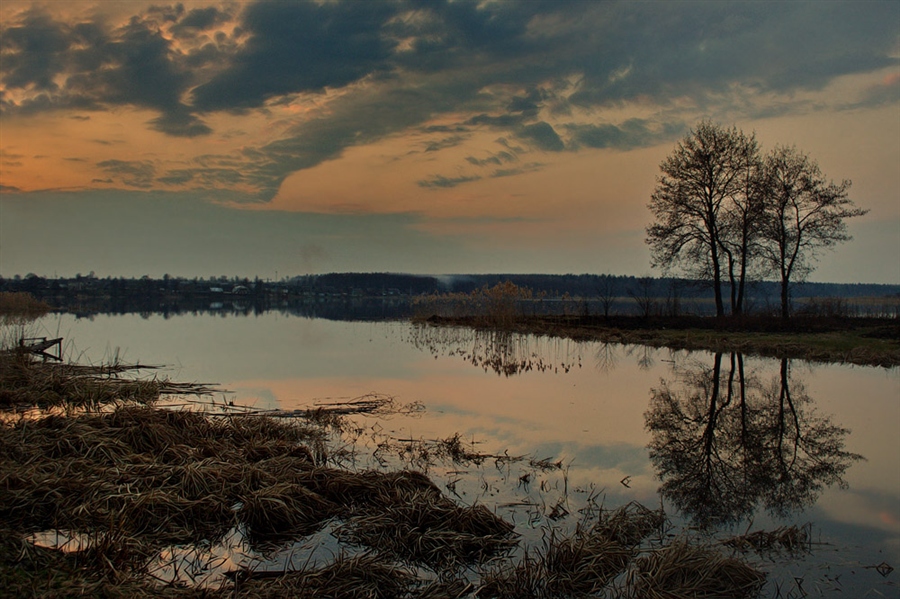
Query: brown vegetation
pixel 20 307
pixel 864 341
pixel 683 570
pixel 126 485
pixel 500 305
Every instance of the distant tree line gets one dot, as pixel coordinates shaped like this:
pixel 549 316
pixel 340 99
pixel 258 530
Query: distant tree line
pixel 602 295
pixel 727 214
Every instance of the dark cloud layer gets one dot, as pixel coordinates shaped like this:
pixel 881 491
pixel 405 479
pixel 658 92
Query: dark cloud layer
pixel 446 182
pixel 132 173
pixel 503 65
pixel 543 134
pixel 633 133
pixel 300 47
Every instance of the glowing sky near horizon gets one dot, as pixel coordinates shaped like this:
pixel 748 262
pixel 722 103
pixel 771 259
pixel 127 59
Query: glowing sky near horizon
pixel 249 138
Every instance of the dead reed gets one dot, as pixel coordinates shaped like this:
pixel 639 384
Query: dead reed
pixel 683 570
pixel 630 524
pixel 583 563
pixel 160 475
pixel 499 305
pixel 137 479
pixel 19 308
pixel 425 528
pixel 27 381
pixel 127 482
pixel 576 565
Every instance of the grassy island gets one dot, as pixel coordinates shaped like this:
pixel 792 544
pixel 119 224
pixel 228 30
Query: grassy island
pixel 836 338
pixel 862 341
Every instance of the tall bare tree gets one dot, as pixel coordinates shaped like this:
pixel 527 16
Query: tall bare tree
pixel 698 203
pixel 741 223
pixel 804 215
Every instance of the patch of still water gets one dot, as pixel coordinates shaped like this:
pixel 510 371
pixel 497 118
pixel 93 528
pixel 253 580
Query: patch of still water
pixel 549 431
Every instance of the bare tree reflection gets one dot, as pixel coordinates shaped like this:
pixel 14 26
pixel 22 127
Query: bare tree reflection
pixel 506 353
pixel 725 445
pixel 607 357
pixel 646 355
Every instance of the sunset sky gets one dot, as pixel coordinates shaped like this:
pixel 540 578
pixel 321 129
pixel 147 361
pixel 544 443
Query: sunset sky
pixel 285 138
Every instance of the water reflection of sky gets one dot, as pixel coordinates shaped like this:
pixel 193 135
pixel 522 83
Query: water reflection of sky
pixel 592 417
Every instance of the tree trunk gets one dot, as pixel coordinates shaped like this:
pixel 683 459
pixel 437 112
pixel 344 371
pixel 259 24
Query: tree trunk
pixel 785 298
pixel 717 282
pixel 720 306
pixel 739 306
pixel 735 309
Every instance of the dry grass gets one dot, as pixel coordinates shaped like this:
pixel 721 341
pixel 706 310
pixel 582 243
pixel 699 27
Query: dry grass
pixel 630 524
pixel 163 476
pixel 686 571
pixel 499 305
pixel 129 482
pixel 425 528
pixel 135 480
pixel 864 341
pixel 581 564
pixel 26 381
pixel 585 563
pixel 18 308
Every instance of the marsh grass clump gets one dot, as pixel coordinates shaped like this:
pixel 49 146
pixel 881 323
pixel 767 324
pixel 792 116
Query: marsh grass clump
pixel 18 308
pixel 524 579
pixel 630 524
pixel 583 563
pixel 499 305
pixel 425 528
pixel 26 381
pixel 132 481
pixel 283 511
pixel 683 570
pixel 161 476
pixel 128 485
pixel 580 564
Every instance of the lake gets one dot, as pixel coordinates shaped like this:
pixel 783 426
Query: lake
pixel 727 444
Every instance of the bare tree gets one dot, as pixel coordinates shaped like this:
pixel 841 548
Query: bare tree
pixel 673 298
pixel 606 293
pixel 804 216
pixel 644 296
pixel 741 224
pixel 697 204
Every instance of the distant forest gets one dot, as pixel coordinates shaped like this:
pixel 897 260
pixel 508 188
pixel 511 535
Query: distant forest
pixel 391 295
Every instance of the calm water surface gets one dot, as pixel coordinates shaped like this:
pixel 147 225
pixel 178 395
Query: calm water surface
pixel 736 444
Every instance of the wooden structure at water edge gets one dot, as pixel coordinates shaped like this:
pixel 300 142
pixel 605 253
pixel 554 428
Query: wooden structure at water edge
pixel 40 345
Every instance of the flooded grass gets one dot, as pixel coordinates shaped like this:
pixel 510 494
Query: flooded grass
pixel 791 539
pixel 819 332
pixel 118 496
pixel 689 571
pixel 863 341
